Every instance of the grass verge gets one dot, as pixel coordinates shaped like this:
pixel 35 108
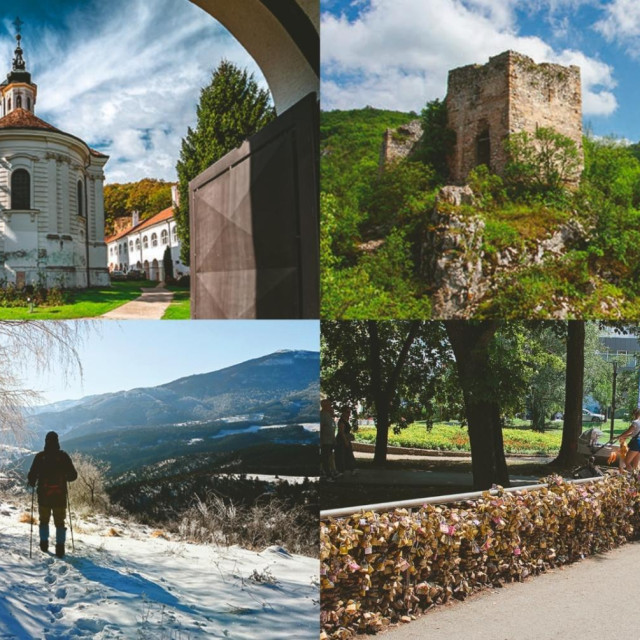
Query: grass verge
pixel 85 303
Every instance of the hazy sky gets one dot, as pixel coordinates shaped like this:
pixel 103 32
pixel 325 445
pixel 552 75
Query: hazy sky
pixel 129 354
pixel 124 75
pixel 395 54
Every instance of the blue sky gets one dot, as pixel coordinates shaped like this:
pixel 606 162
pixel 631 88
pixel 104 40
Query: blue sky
pixel 124 355
pixel 395 54
pixel 124 75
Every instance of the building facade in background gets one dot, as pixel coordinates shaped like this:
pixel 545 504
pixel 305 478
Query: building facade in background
pixel 141 246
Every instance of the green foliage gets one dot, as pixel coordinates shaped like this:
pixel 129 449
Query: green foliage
pixel 453 437
pixel 488 188
pixel 167 263
pixel 612 169
pixel 147 196
pixel 350 150
pixel 231 109
pixel 437 141
pixel 401 194
pixel 540 165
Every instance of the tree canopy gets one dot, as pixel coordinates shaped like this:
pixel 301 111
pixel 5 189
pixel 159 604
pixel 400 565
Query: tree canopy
pixel 147 196
pixel 232 108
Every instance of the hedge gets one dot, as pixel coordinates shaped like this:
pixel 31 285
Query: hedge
pixel 378 568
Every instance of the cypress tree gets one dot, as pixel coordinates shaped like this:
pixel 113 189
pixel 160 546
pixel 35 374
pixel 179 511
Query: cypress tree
pixel 231 108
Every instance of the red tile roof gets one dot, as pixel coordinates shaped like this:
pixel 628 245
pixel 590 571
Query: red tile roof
pixel 166 214
pixel 23 119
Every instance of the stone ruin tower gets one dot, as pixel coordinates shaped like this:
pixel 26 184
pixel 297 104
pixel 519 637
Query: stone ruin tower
pixel 509 94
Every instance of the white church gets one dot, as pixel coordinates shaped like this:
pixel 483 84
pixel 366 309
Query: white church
pixel 51 195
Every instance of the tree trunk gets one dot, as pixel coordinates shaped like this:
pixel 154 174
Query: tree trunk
pixel 470 342
pixel 574 390
pixel 383 392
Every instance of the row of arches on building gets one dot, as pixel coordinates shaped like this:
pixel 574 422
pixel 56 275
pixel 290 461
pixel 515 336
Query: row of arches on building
pixel 152 270
pixel 21 192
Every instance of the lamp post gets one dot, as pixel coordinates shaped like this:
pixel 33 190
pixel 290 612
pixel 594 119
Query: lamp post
pixel 613 398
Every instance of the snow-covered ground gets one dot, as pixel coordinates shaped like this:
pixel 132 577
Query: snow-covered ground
pixel 124 582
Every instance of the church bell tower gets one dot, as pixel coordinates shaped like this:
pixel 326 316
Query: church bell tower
pixel 17 91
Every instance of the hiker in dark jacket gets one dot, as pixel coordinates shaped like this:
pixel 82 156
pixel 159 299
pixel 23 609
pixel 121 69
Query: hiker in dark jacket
pixel 51 470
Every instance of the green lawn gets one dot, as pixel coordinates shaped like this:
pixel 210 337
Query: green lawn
pixel 87 303
pixel 180 308
pixel 451 437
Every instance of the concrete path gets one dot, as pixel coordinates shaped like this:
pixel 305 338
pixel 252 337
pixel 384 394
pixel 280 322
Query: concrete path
pixel 151 305
pixel 594 598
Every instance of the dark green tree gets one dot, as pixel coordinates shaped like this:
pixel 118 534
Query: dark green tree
pixel 438 140
pixel 390 367
pixel 231 108
pixel 167 262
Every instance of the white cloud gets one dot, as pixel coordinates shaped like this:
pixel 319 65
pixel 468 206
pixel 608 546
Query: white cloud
pixel 621 23
pixel 396 55
pixel 128 77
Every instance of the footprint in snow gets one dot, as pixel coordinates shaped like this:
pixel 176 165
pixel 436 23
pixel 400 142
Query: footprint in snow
pixel 61 593
pixel 55 610
pixel 50 579
pixel 62 569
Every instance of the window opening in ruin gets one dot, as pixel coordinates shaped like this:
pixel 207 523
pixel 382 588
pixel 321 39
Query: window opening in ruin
pixel 483 148
pixel 20 189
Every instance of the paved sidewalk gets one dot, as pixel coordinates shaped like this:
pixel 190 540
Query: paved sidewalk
pixel 594 598
pixel 151 305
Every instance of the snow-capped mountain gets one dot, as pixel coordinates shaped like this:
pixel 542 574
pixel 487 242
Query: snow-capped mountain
pixel 280 387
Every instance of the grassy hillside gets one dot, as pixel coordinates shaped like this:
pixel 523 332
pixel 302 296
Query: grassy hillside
pixel 350 143
pixel 546 250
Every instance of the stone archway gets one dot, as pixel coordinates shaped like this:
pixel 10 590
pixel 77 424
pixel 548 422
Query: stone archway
pixel 282 36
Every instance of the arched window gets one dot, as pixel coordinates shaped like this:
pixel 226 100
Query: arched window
pixel 138 243
pixel 20 189
pixel 130 245
pixel 19 102
pixel 9 109
pixel 29 104
pixel 80 198
pixel 154 239
pixel 174 233
pixel 145 242
pixel 164 236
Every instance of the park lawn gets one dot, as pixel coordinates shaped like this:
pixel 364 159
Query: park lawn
pixel 180 307
pixel 87 303
pixel 451 437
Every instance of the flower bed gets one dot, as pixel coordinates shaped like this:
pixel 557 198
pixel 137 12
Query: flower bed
pixel 384 567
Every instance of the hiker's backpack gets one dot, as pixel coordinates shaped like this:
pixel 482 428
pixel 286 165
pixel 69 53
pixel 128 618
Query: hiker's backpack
pixel 52 485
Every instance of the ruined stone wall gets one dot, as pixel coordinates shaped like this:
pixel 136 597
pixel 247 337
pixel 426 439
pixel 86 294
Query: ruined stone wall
pixel 478 100
pixel 509 94
pixel 546 95
pixel 399 143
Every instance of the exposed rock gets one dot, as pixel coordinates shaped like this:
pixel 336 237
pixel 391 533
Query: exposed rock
pixel 454 264
pixel 454 247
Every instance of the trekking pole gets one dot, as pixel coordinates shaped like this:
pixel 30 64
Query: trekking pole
pixel 73 546
pixel 33 490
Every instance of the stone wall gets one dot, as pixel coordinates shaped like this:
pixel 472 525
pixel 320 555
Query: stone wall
pixel 509 94
pixel 398 143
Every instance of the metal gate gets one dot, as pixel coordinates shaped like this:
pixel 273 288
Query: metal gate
pixel 254 224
